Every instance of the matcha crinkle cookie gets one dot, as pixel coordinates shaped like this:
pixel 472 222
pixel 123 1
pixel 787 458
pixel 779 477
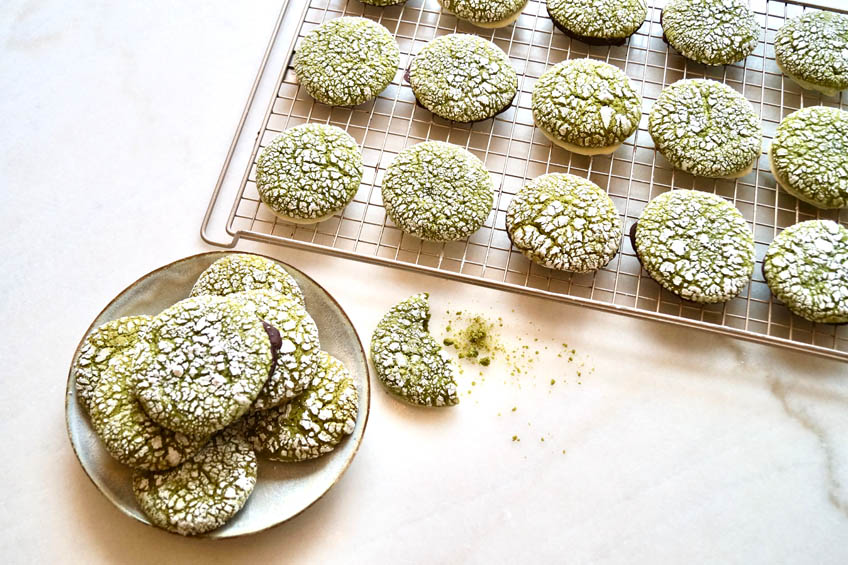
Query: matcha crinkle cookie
pixel 564 222
pixel 463 77
pixel 806 267
pixel 346 61
pixel 712 32
pixel 238 272
pixel 706 128
pixel 437 191
pixel 696 245
pixel 409 361
pixel 586 106
pixel 485 13
pixel 809 156
pixel 598 22
pixel 309 172
pixel 812 49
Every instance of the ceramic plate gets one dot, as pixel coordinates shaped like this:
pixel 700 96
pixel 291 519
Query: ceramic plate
pixel 283 490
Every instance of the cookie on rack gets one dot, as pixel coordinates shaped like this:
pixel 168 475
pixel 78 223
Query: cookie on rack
pixel 409 361
pixel 598 22
pixel 203 493
pixel 706 128
pixel 806 267
pixel 565 222
pixel 712 32
pixel 312 424
pixel 809 156
pixel 485 13
pixel 586 106
pixel 237 272
pixel 309 172
pixel 812 50
pixel 346 61
pixel 437 191
pixel 463 77
pixel 696 245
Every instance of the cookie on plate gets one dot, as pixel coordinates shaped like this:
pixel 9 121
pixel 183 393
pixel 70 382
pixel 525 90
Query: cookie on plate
pixel 238 272
pixel 712 32
pixel 409 362
pixel 696 245
pixel 598 22
pixel 437 191
pixel 346 61
pixel 462 77
pixel 806 267
pixel 485 13
pixel 706 128
pixel 809 156
pixel 309 172
pixel 312 424
pixel 812 50
pixel 586 106
pixel 564 222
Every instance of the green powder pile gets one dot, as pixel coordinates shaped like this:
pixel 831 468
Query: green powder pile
pixel 475 338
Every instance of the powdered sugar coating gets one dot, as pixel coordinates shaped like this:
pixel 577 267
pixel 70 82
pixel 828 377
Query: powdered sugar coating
pixel 409 362
pixel 312 424
pixel 463 77
pixel 238 272
pixel 564 222
pixel 813 50
pixel 203 493
pixel 437 191
pixel 483 12
pixel 712 32
pixel 602 19
pixel 696 245
pixel 706 128
pixel 806 267
pixel 346 61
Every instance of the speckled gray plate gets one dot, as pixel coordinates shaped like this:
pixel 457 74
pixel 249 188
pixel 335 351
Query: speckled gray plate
pixel 283 489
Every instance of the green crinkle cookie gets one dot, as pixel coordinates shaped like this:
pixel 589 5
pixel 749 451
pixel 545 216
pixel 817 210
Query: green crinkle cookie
pixel 564 222
pixel 242 271
pixel 309 172
pixel 463 78
pixel 409 362
pixel 809 156
pixel 696 245
pixel 706 128
pixel 437 191
pixel 201 364
pixel 812 49
pixel 203 493
pixel 611 21
pixel 586 106
pixel 312 424
pixel 485 13
pixel 712 32
pixel 296 360
pixel 346 61
pixel 806 267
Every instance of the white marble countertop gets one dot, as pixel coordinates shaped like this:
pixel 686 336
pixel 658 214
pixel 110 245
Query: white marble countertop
pixel 679 447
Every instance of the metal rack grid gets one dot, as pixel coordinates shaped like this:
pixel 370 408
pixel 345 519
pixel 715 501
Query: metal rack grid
pixel 514 151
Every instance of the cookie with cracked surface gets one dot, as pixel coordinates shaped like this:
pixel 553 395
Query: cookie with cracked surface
pixel 201 364
pixel 696 245
pixel 806 267
pixel 346 61
pixel 809 156
pixel 203 493
pixel 598 22
pixel 309 172
pixel 564 222
pixel 485 13
pixel 437 191
pixel 812 50
pixel 409 362
pixel 463 78
pixel 586 106
pixel 312 424
pixel 706 128
pixel 712 32
pixel 296 355
pixel 238 272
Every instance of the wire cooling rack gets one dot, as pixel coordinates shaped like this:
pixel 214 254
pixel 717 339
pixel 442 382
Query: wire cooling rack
pixel 514 151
